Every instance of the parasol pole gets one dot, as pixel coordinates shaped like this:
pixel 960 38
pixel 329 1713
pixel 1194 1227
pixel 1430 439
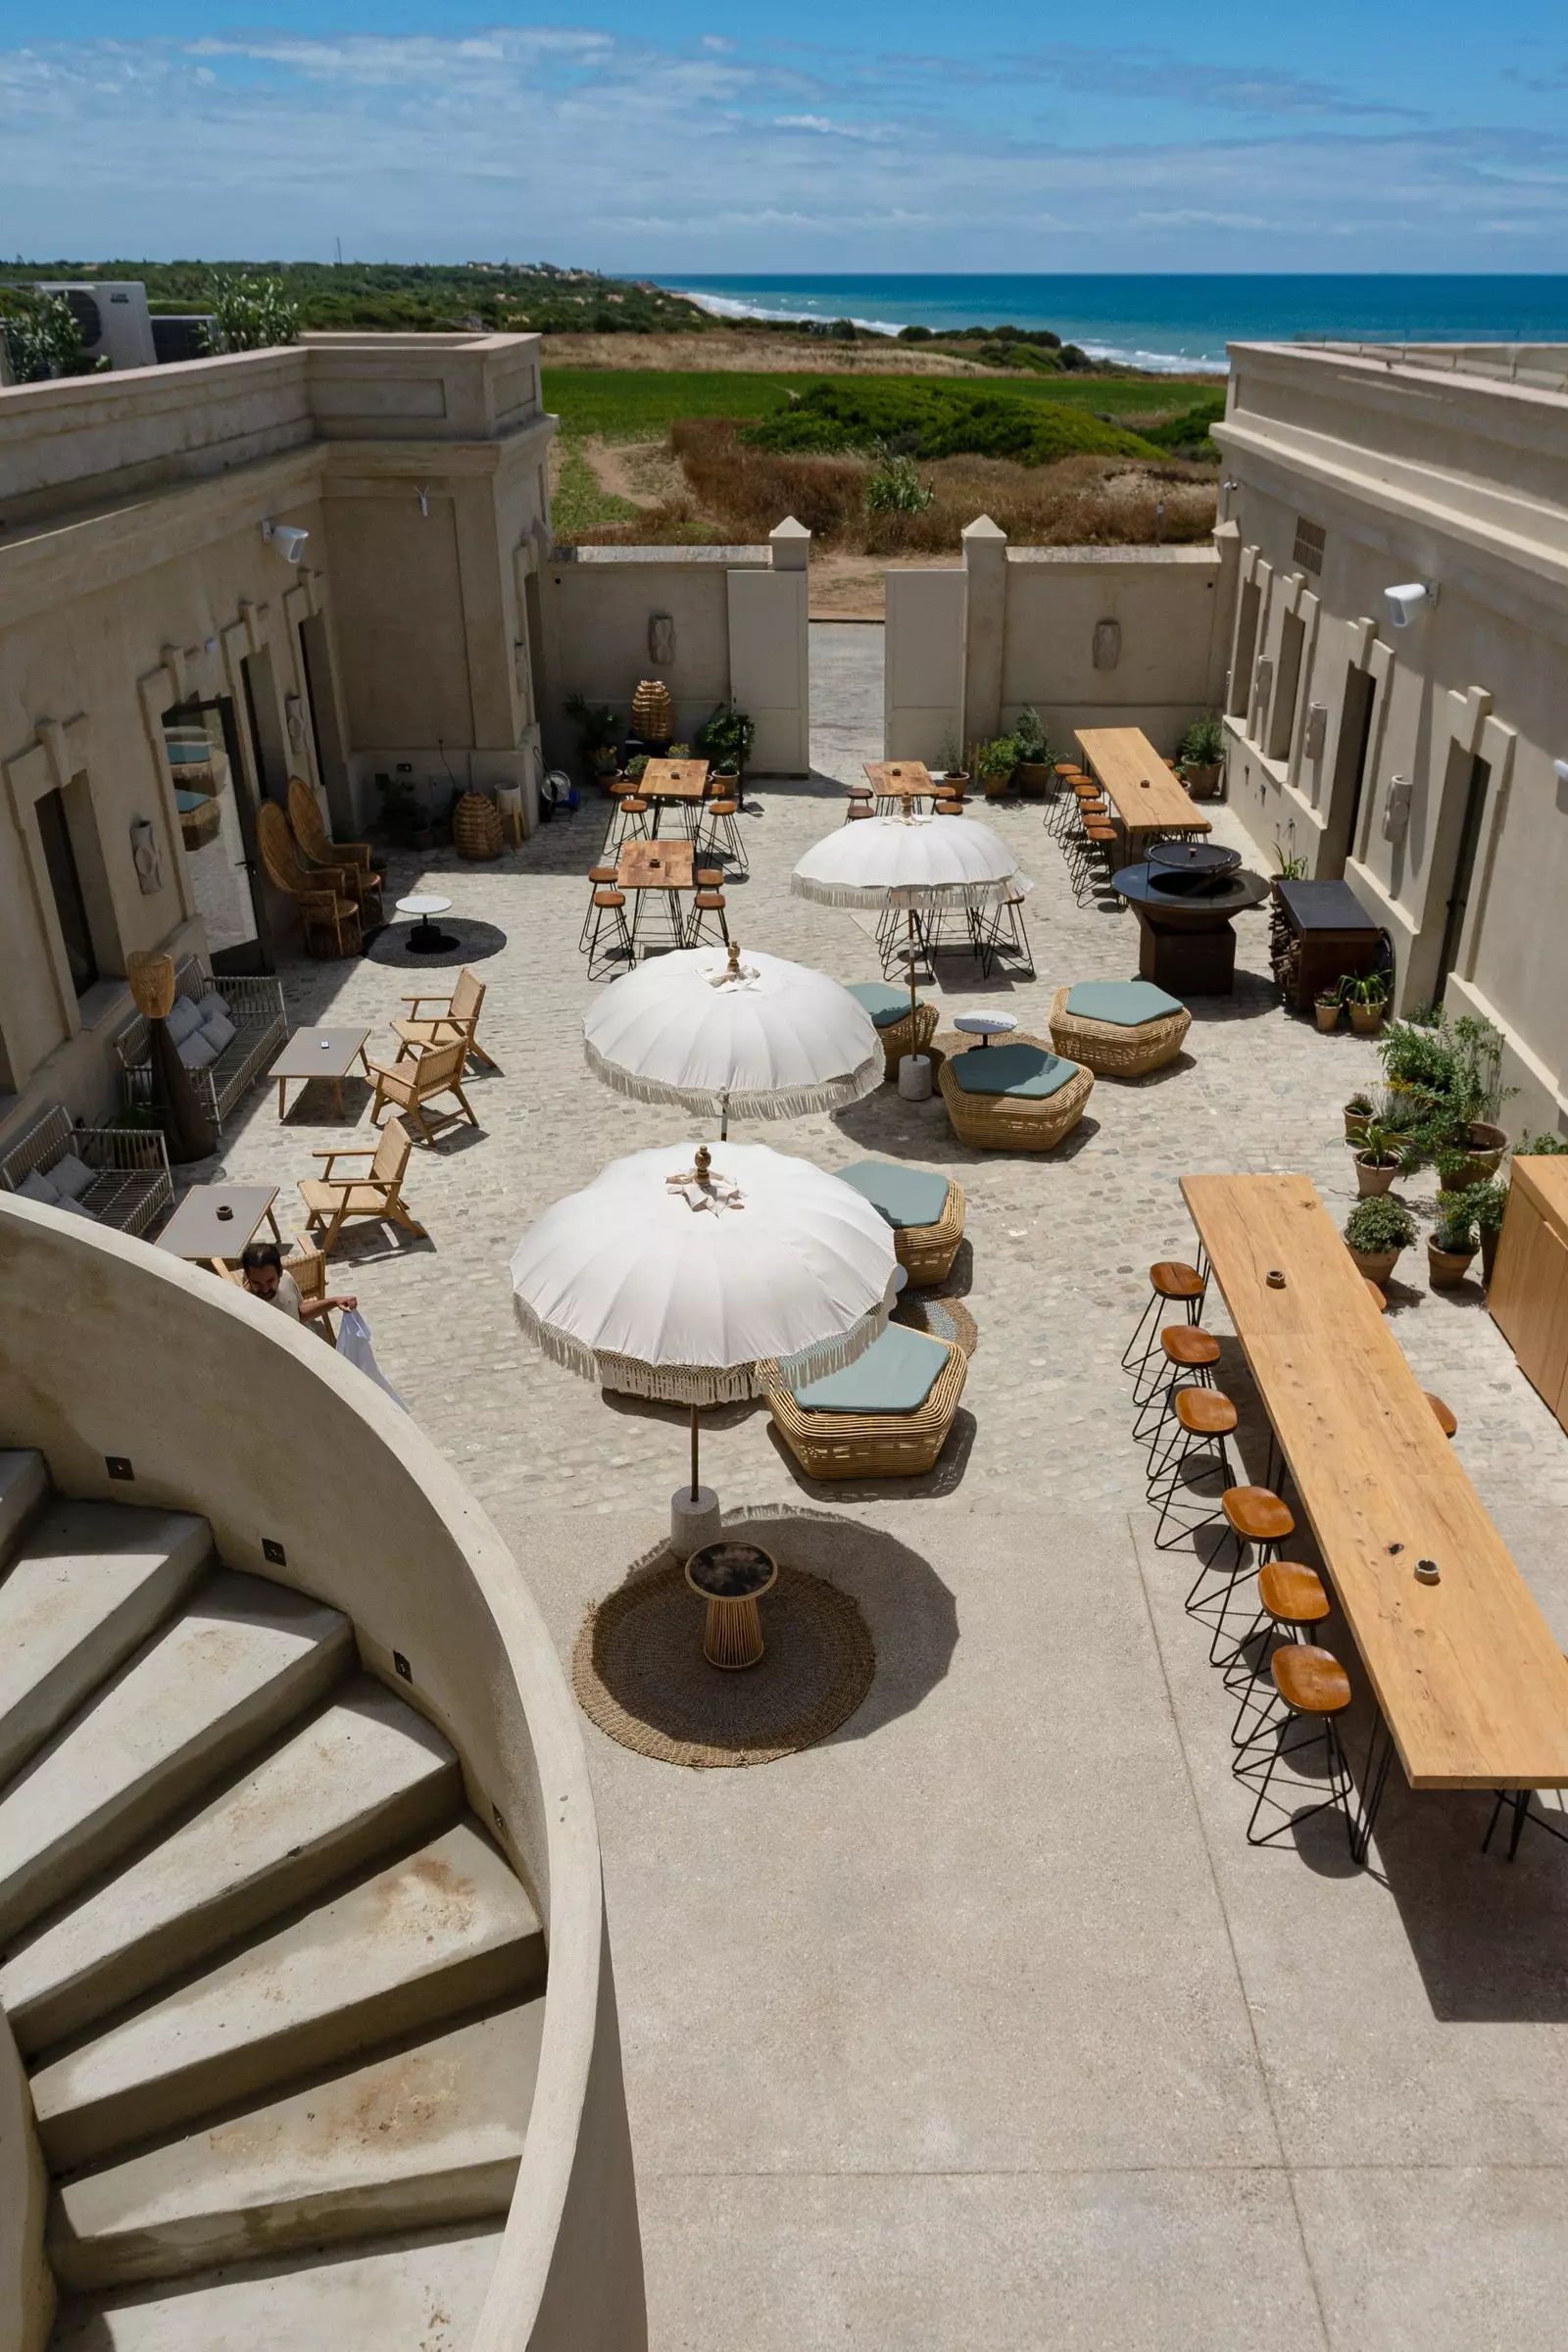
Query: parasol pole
pixel 694 1452
pixel 913 1000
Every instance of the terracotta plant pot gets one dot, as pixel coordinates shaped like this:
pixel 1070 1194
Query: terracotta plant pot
pixel 1355 1127
pixel 1488 1143
pixel 1326 1012
pixel 1448 1268
pixel 1366 1020
pixel 1033 778
pixel 1376 1265
pixel 1202 782
pixel 1370 1178
pixel 996 786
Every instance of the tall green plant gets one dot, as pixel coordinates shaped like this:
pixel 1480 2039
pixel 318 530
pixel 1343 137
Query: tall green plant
pixel 41 336
pixel 251 314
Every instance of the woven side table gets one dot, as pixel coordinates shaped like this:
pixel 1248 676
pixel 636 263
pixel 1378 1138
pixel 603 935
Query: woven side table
pixel 732 1577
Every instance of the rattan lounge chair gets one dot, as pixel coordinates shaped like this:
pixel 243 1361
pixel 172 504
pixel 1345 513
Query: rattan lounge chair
pixel 410 1084
pixel 331 1200
pixel 925 1213
pixel 350 859
pixel 325 894
pixel 996 1116
pixel 1118 1028
pixel 902 1442
pixel 900 1031
pixel 128 1168
pixel 457 1016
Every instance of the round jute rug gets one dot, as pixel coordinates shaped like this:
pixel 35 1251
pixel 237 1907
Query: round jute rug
pixel 639 1674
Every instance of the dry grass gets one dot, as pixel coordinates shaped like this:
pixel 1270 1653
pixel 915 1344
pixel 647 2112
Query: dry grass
pixel 753 354
pixel 733 494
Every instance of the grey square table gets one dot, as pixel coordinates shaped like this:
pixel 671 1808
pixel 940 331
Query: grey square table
pixel 320 1054
pixel 197 1231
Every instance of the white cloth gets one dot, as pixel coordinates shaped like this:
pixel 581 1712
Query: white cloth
pixel 354 1342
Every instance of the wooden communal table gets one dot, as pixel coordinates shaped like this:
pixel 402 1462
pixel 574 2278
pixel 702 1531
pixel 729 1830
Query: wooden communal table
pixel 667 866
pixel 1138 784
pixel 1472 1689
pixel 676 783
pixel 905 780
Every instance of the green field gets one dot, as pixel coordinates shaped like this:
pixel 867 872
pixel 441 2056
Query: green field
pixel 642 404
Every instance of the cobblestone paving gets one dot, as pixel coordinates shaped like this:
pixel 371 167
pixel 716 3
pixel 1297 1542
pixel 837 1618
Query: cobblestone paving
pixel 1054 1272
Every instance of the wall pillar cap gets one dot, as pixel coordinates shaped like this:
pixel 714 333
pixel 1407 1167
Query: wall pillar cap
pixel 983 529
pixel 791 543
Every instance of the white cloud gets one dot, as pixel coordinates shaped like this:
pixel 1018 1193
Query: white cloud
pixel 1193 218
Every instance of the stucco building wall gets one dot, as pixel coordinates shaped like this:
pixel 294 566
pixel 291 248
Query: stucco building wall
pixel 1416 761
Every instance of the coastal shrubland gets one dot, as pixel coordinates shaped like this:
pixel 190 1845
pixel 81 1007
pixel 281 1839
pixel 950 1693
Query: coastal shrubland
pixel 922 418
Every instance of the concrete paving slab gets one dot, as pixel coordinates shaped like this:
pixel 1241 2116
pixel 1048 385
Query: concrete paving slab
pixel 423 2297
pixel 445 1930
pixel 1080 2262
pixel 429 2135
pixel 241 1659
pixel 91 1582
pixel 365 1776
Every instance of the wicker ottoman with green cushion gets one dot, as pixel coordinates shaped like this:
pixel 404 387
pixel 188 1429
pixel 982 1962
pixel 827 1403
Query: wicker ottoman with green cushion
pixel 925 1213
pixel 1121 1028
pixel 900 1031
pixel 887 1416
pixel 1020 1097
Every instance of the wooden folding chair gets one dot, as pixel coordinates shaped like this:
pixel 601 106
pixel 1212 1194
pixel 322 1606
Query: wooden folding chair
pixel 459 1016
pixel 331 1200
pixel 409 1085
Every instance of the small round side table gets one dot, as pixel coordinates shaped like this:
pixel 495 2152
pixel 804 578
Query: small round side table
pixel 424 939
pixel 732 1579
pixel 986 1025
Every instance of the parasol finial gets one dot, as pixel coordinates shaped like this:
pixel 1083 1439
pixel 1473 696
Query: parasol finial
pixel 705 1160
pixel 735 957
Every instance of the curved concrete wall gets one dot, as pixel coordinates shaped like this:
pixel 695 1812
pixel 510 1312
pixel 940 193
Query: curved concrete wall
pixel 27 2287
pixel 110 1348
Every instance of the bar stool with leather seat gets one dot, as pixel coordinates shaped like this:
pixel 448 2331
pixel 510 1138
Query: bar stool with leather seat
pixel 1255 1516
pixel 600 877
pixel 724 839
pixel 1171 1282
pixel 1202 1419
pixel 610 914
pixel 1441 1414
pixel 1291 1601
pixel 1311 1690
pixel 1375 1295
pixel 708 915
pixel 1184 1350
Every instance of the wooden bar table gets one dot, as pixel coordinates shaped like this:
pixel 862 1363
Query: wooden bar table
pixel 1471 1687
pixel 657 866
pixel 1138 784
pixel 677 784
pixel 898 782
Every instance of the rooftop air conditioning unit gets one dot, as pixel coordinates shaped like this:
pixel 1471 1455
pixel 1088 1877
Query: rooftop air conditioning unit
pixel 112 317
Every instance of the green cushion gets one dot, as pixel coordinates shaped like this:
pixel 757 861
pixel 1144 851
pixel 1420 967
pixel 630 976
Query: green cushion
pixel 1125 1003
pixel 905 1195
pixel 896 1375
pixel 1026 1071
pixel 885 1004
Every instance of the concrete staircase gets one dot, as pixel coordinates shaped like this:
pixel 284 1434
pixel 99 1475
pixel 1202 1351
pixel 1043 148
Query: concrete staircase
pixel 279 1994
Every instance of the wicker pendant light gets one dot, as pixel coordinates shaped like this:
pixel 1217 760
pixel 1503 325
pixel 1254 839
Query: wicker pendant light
pixel 150 975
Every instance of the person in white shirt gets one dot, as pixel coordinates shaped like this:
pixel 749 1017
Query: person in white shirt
pixel 261 1266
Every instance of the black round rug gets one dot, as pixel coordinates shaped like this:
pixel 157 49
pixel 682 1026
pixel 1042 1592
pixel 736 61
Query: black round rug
pixel 471 943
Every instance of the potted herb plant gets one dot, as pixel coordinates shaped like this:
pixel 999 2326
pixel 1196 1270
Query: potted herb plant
pixel 1037 759
pixel 953 770
pixel 1478 1053
pixel 1375 1233
pixel 1453 1242
pixel 598 734
pixel 996 764
pixel 1326 1009
pixel 725 739
pixel 1378 1161
pixel 1366 998
pixel 1358 1111
pixel 1201 756
pixel 1483 1204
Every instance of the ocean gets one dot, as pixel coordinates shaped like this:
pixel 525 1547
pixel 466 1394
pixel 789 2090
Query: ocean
pixel 1169 322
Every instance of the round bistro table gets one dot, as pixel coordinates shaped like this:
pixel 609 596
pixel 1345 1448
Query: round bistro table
pixel 424 939
pixel 732 1577
pixel 986 1025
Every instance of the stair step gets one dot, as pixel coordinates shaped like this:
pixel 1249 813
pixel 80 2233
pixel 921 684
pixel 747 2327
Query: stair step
pixel 238 1662
pixel 368 1777
pixel 423 2294
pixel 431 2135
pixel 23 1490
pixel 90 1583
pixel 443 1931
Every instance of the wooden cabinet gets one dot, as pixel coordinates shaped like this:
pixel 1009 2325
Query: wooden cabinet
pixel 1321 932
pixel 1529 1291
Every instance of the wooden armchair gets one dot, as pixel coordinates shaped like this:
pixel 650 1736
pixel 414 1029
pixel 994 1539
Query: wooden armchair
pixel 350 858
pixel 325 894
pixel 331 1200
pixel 409 1084
pixel 459 1017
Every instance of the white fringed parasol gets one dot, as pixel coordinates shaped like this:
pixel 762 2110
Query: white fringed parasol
pixel 908 863
pixel 733 1036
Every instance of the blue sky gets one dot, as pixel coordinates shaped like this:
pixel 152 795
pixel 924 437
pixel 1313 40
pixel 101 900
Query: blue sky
pixel 813 137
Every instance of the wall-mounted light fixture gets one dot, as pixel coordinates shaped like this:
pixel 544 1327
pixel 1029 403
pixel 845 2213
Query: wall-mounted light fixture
pixel 424 501
pixel 1559 768
pixel 1409 600
pixel 287 538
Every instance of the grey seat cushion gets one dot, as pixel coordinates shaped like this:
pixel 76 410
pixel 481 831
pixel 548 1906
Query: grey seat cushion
pixel 1024 1073
pixel 1124 1004
pixel 896 1375
pixel 884 1004
pixel 905 1195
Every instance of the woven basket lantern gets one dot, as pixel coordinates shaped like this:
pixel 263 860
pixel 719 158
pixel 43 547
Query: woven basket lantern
pixel 652 712
pixel 476 826
pixel 150 975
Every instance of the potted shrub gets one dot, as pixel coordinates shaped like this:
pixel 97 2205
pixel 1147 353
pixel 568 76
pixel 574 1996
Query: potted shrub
pixel 994 765
pixel 598 734
pixel 953 769
pixel 1326 1009
pixel 1483 1204
pixel 1453 1242
pixel 1378 1161
pixel 1358 1111
pixel 1366 998
pixel 1037 759
pixel 1477 1054
pixel 1201 756
pixel 725 739
pixel 1375 1233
